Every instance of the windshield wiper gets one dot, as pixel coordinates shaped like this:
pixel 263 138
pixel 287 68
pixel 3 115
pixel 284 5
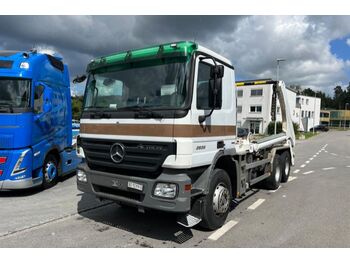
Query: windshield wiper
pixel 144 112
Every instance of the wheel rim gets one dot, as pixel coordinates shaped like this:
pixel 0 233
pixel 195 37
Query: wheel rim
pixel 286 167
pixel 277 173
pixel 50 171
pixel 221 199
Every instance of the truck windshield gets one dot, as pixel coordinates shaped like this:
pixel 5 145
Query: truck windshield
pixel 161 86
pixel 14 93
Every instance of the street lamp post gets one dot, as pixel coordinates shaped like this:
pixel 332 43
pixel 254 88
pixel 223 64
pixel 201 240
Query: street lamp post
pixel 313 129
pixel 346 105
pixel 277 79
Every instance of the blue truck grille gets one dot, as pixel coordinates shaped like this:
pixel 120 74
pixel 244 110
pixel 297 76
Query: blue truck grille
pixel 141 157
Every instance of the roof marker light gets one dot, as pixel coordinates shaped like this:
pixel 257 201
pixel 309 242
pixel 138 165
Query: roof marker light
pixel 3 159
pixel 24 65
pixel 174 45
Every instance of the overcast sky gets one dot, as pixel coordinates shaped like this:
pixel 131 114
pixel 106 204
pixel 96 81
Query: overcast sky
pixel 316 48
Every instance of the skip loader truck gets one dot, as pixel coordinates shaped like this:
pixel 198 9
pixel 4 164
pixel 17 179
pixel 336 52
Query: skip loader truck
pixel 158 131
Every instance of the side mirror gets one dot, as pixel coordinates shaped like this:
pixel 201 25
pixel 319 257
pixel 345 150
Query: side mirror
pixel 217 71
pixel 79 79
pixel 47 106
pixel 215 93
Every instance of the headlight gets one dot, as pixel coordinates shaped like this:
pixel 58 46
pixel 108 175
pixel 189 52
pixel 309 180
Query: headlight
pixel 80 151
pixel 81 176
pixel 166 190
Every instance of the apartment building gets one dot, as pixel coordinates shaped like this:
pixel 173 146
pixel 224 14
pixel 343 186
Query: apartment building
pixel 254 108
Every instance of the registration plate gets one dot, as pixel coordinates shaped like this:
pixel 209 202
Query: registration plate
pixel 134 185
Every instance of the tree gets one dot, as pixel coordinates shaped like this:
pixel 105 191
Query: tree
pixel 77 104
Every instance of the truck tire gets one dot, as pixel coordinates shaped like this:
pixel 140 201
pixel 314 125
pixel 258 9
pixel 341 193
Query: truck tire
pixel 216 204
pixel 285 166
pixel 50 171
pixel 274 180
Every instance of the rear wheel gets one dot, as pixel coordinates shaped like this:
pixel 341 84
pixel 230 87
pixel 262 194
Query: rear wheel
pixel 50 171
pixel 217 202
pixel 274 180
pixel 285 164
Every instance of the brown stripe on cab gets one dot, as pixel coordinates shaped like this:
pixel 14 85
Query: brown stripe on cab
pixel 158 130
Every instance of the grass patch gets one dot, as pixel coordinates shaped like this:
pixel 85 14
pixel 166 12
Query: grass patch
pixel 305 135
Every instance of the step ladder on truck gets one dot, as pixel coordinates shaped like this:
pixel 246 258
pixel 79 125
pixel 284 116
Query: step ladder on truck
pixel 158 131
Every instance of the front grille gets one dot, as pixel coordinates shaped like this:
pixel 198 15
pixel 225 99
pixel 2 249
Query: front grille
pixel 141 158
pixel 113 191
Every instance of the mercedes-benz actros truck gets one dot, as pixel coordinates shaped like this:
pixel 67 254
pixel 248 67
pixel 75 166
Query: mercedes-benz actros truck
pixel 35 120
pixel 158 131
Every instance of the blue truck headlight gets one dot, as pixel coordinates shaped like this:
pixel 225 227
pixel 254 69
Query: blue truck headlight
pixel 81 176
pixel 165 190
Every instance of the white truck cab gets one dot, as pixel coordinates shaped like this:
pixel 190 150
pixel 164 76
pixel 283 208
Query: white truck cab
pixel 158 131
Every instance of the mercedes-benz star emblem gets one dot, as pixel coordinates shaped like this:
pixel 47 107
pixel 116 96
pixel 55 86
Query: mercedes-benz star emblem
pixel 117 153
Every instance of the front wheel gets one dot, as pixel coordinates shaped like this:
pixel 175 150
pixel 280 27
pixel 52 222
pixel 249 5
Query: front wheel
pixel 217 202
pixel 50 171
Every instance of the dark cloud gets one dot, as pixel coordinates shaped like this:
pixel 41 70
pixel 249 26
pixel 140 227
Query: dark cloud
pixel 253 43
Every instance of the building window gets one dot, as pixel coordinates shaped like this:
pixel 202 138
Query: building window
pixel 302 113
pixel 256 92
pixel 302 101
pixel 239 93
pixel 255 109
pixel 309 114
pixel 307 101
pixel 239 109
pixel 312 114
pixel 278 110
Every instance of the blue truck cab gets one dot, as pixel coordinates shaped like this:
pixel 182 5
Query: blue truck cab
pixel 35 120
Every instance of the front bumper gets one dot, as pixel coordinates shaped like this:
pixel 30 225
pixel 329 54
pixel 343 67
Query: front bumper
pixel 20 184
pixel 115 187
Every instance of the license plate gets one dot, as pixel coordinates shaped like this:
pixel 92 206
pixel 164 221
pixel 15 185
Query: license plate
pixel 134 185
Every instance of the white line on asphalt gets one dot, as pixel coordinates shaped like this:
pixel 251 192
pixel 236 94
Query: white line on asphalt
pixel 256 204
pixel 291 178
pixel 333 154
pixel 307 162
pixel 308 172
pixel 328 168
pixel 273 191
pixel 302 166
pixel 296 171
pixel 311 158
pixel 221 231
pixel 347 166
pixel 326 151
pixel 314 156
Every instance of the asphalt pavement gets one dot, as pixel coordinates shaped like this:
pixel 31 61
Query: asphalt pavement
pixel 311 210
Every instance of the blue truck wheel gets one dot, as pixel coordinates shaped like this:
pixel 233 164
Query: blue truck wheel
pixel 50 171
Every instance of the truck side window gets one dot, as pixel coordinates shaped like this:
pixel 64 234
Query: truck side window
pixel 38 99
pixel 203 86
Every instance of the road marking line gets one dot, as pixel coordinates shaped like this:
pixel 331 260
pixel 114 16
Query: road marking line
pixel 221 231
pixel 314 156
pixel 256 204
pixel 347 166
pixel 333 154
pixel 296 171
pixel 311 158
pixel 326 151
pixel 291 178
pixel 273 191
pixel 302 166
pixel 307 162
pixel 308 172
pixel 328 168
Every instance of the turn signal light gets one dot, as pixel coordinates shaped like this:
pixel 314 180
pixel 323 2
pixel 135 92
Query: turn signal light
pixel 3 159
pixel 1 171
